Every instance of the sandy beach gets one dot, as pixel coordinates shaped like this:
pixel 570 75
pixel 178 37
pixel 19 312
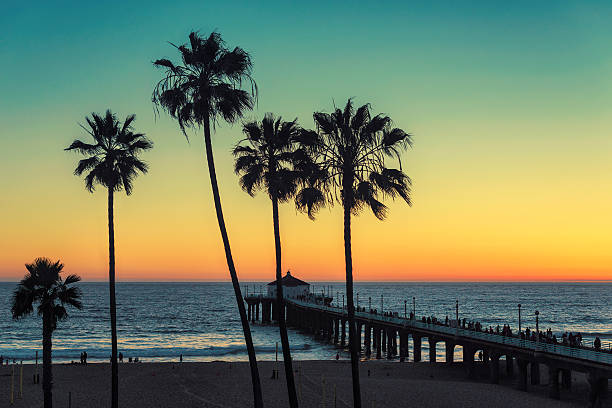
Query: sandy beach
pixel 225 384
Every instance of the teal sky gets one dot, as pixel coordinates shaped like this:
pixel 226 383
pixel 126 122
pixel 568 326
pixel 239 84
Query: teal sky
pixel 509 102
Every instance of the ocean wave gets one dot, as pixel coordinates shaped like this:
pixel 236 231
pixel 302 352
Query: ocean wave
pixel 153 352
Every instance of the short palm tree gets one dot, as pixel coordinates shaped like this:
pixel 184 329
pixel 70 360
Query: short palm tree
pixel 43 285
pixel 204 88
pixel 271 159
pixel 111 161
pixel 353 148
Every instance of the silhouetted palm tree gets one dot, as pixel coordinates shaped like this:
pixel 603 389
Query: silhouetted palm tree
pixel 43 285
pixel 270 159
pixel 204 89
pixel 353 148
pixel 112 161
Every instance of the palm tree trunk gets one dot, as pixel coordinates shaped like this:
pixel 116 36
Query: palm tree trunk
pixel 113 303
pixel 257 396
pixel 348 259
pixel 280 304
pixel 47 384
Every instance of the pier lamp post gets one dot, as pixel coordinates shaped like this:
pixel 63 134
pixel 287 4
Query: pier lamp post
pixel 343 301
pixel 405 301
pixel 357 300
pixel 370 303
pixel 519 307
pixel 537 325
pixel 414 307
pixel 457 311
pixel 382 304
pixel 337 298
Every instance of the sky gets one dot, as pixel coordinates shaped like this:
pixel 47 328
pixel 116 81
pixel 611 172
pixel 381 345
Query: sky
pixel 509 104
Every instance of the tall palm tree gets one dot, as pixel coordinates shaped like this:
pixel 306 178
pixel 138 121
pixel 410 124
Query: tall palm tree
pixel 207 87
pixel 43 284
pixel 270 159
pixel 353 148
pixel 112 162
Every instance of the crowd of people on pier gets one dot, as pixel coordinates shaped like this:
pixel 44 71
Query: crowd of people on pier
pixel 568 339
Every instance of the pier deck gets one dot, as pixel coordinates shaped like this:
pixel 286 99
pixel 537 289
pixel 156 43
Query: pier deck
pixel 380 335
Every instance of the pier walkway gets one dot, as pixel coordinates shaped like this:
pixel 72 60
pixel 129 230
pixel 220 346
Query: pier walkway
pixel 380 335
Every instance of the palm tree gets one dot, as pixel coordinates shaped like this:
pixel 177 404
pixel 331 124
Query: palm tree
pixel 112 162
pixel 207 87
pixel 270 159
pixel 42 284
pixel 353 148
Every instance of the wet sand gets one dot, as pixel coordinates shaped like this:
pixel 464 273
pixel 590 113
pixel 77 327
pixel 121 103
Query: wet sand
pixel 225 384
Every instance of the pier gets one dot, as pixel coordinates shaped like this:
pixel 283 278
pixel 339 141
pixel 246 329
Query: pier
pixel 388 336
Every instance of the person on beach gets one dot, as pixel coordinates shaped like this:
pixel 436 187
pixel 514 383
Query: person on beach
pixel 120 357
pixel 85 357
pixel 597 343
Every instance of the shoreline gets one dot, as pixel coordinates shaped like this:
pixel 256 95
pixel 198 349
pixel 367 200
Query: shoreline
pixel 228 384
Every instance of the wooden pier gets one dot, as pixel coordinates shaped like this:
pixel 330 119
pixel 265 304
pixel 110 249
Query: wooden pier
pixel 388 336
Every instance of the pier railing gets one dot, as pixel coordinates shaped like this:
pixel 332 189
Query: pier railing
pixel 543 347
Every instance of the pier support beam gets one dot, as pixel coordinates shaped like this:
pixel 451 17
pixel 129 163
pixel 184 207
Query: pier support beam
pixel 509 365
pixel 383 342
pixel 468 360
pixel 450 352
pixel 598 389
pixel 358 328
pixel 249 306
pixel 566 379
pixel 389 343
pixel 343 333
pixel 432 349
pixel 535 373
pixel 367 340
pixel 494 368
pixel 394 343
pixel 403 352
pixel 377 340
pixel 336 330
pixel 553 380
pixel 275 311
pixel 522 368
pixel 257 311
pixel 416 346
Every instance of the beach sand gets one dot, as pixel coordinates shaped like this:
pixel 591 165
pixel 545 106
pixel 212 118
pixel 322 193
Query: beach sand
pixel 225 384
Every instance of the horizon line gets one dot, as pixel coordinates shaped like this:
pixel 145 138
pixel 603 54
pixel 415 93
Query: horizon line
pixel 342 281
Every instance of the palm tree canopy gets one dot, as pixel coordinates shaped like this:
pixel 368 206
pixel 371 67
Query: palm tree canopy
pixel 44 285
pixel 112 159
pixel 207 84
pixel 269 157
pixel 353 148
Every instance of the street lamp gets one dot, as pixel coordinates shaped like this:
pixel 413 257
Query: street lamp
pixel 381 304
pixel 537 325
pixel 519 307
pixel 370 303
pixel 457 311
pixel 405 301
pixel 357 300
pixel 414 307
pixel 343 301
pixel 337 299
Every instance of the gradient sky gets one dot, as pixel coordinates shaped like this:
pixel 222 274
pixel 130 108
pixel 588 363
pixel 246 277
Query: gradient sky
pixel 510 104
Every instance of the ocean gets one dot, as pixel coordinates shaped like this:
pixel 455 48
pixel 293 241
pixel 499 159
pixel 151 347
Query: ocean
pixel 160 321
